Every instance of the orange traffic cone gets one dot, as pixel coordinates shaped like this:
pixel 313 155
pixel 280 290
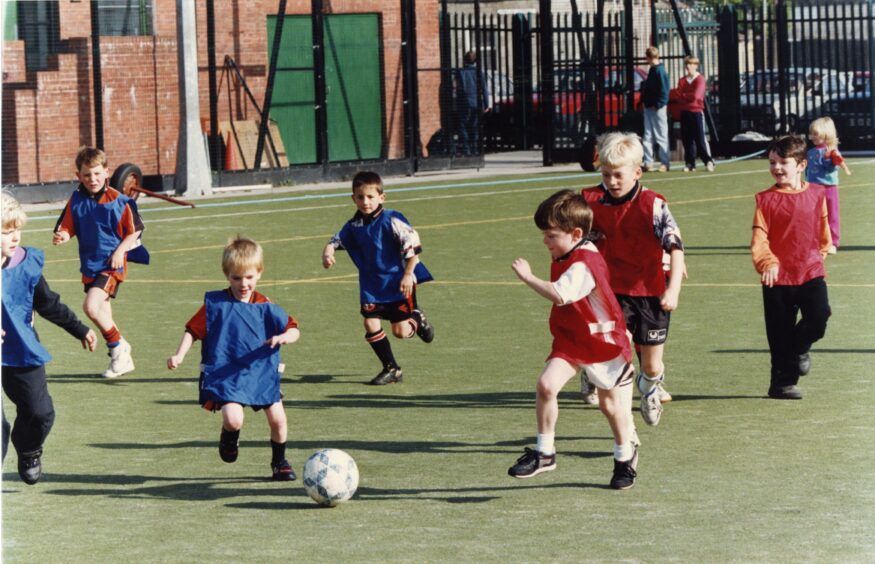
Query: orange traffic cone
pixel 230 158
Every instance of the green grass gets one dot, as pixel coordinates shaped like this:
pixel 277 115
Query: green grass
pixel 133 473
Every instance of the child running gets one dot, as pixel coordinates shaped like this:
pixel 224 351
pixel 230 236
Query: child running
pixel 824 161
pixel 108 228
pixel 241 332
pixel 385 248
pixel 790 240
pixel 24 358
pixel 633 229
pixel 589 333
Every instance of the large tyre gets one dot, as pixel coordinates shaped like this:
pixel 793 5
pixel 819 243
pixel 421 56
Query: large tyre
pixel 125 178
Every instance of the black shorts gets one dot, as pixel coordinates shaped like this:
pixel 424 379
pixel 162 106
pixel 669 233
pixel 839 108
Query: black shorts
pixel 107 282
pixel 392 311
pixel 645 319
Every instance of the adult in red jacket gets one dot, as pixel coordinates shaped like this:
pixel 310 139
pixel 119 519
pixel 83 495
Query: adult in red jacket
pixel 691 95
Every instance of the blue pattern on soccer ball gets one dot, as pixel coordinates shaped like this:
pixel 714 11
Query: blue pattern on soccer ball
pixel 330 477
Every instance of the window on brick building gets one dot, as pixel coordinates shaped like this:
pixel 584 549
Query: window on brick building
pixel 125 17
pixel 39 28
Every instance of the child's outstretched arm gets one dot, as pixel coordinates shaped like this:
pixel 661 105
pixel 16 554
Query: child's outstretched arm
pixel 407 282
pixel 184 345
pixel 48 305
pixel 290 336
pixel 118 256
pixel 328 259
pixel 669 300
pixel 544 288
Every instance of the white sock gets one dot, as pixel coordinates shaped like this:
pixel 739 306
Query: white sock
pixel 647 383
pixel 623 452
pixel 545 443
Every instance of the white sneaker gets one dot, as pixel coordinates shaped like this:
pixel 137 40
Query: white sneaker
pixel 651 408
pixel 710 166
pixel 588 392
pixel 688 169
pixel 120 361
pixel 832 250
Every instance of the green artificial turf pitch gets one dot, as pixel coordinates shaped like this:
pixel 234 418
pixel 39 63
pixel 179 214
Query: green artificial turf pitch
pixel 132 471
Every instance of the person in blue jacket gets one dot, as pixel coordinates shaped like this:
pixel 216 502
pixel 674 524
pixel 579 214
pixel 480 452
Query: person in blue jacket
pixel 241 331
pixel 385 248
pixel 654 98
pixel 24 376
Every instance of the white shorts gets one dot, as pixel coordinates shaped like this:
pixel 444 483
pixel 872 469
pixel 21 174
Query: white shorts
pixel 610 374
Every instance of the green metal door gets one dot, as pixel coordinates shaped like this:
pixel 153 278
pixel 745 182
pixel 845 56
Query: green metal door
pixel 353 73
pixel 353 86
pixel 293 100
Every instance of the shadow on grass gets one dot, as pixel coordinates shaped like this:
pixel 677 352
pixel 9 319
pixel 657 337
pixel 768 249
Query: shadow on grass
pixel 126 379
pixel 814 351
pixel 381 400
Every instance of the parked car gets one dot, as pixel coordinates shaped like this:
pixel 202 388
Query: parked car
pixel 852 114
pixel 806 90
pixel 572 106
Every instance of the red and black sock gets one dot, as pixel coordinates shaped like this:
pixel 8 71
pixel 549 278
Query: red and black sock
pixel 112 337
pixel 382 348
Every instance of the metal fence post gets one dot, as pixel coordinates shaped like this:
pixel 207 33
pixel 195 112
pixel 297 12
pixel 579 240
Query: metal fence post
pixel 97 75
pixel 547 106
pixel 522 78
pixel 321 124
pixel 729 81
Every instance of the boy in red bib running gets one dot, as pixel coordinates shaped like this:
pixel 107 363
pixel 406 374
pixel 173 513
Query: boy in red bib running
pixel 589 333
pixel 634 230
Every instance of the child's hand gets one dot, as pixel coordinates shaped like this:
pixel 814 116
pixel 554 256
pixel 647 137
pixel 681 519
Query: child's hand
pixel 174 361
pixel 290 336
pixel 669 300
pixel 117 260
pixel 522 269
pixel 89 341
pixel 407 285
pixel 328 260
pixel 60 237
pixel 770 276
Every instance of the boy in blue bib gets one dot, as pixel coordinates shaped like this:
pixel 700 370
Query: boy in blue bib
pixel 385 248
pixel 108 227
pixel 241 331
pixel 24 358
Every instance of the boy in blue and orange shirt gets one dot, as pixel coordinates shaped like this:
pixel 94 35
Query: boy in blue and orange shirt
pixel 790 240
pixel 385 248
pixel 108 228
pixel 24 358
pixel 242 331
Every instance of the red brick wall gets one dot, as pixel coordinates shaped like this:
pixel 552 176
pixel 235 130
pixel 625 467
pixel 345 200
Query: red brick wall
pixel 47 115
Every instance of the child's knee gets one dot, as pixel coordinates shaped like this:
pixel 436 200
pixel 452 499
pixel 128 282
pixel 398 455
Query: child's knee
pixel 403 329
pixel 232 420
pixel 545 390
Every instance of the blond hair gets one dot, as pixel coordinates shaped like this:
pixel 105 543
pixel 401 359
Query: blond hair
pixel 651 52
pixel 89 156
pixel 691 60
pixel 13 216
pixel 825 128
pixel 242 254
pixel 619 149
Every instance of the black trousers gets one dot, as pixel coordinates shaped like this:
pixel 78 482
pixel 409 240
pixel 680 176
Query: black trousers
pixel 788 338
pixel 35 414
pixel 693 137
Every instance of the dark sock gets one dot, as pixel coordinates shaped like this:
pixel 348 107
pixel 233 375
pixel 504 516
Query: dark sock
pixel 230 437
pixel 382 348
pixel 279 452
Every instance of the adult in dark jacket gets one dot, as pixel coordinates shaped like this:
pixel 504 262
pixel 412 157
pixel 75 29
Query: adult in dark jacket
pixel 472 102
pixel 654 97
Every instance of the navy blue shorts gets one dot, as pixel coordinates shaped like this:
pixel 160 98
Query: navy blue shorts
pixel 645 319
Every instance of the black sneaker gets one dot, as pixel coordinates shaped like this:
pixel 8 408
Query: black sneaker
pixel 228 449
pixel 804 364
pixel 625 473
pixel 283 471
pixel 29 466
pixel 425 331
pixel 387 376
pixel 785 393
pixel 531 464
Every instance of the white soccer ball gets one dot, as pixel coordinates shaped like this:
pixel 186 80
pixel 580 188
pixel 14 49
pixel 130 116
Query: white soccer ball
pixel 330 476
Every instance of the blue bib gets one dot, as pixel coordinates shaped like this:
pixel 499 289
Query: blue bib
pixel 96 228
pixel 237 365
pixel 374 251
pixel 21 347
